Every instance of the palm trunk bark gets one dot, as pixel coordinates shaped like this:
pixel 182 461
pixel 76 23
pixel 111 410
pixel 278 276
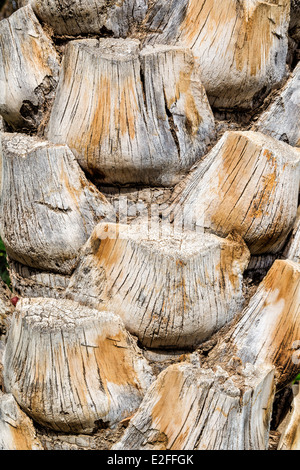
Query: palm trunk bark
pixel 149 200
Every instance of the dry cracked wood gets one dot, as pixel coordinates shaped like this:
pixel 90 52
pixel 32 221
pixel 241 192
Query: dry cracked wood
pixel 28 70
pixel 70 18
pixel 30 282
pixel 292 250
pixel 2 124
pixel 171 291
pixel 16 428
pixel 189 408
pixel 48 207
pixel 131 116
pixel 241 46
pixel 249 182
pixel 71 368
pixel 268 331
pixel 282 119
pixel 290 438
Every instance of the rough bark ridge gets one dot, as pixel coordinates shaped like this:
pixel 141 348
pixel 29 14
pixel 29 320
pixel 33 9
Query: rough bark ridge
pixel 290 439
pixel 143 115
pixel 29 70
pixel 16 429
pixel 89 16
pixel 281 119
pixel 203 409
pixel 268 330
pixel 149 193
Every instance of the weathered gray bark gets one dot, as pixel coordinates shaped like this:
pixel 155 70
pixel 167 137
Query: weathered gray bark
pixel 292 250
pixel 250 183
pixel 261 263
pixel 1 124
pixel 241 46
pixel 30 282
pixel 143 115
pixel 17 431
pixel 268 331
pixel 29 68
pixel 48 207
pixel 188 408
pixel 6 308
pixel 172 291
pixel 282 119
pixel 89 16
pixel 88 372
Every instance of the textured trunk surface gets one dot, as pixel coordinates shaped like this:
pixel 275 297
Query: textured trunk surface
pixel 290 439
pixel 188 408
pixel 281 119
pixel 268 331
pixel 30 282
pixel 143 114
pixel 149 208
pixel 87 373
pixel 48 207
pixel 29 68
pixel 292 249
pixel 241 46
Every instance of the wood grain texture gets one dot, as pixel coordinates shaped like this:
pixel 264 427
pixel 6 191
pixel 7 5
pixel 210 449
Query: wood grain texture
pixel 2 349
pixel 131 116
pixel 131 203
pixel 241 46
pixel 131 106
pixel 249 183
pixel 6 308
pixel 48 207
pixel 268 331
pixel 261 263
pixel 29 68
pixel 73 18
pixel 16 428
pixel 30 282
pixel 71 368
pixel 290 438
pixel 282 119
pixel 189 408
pixel 292 250
pixel 172 291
